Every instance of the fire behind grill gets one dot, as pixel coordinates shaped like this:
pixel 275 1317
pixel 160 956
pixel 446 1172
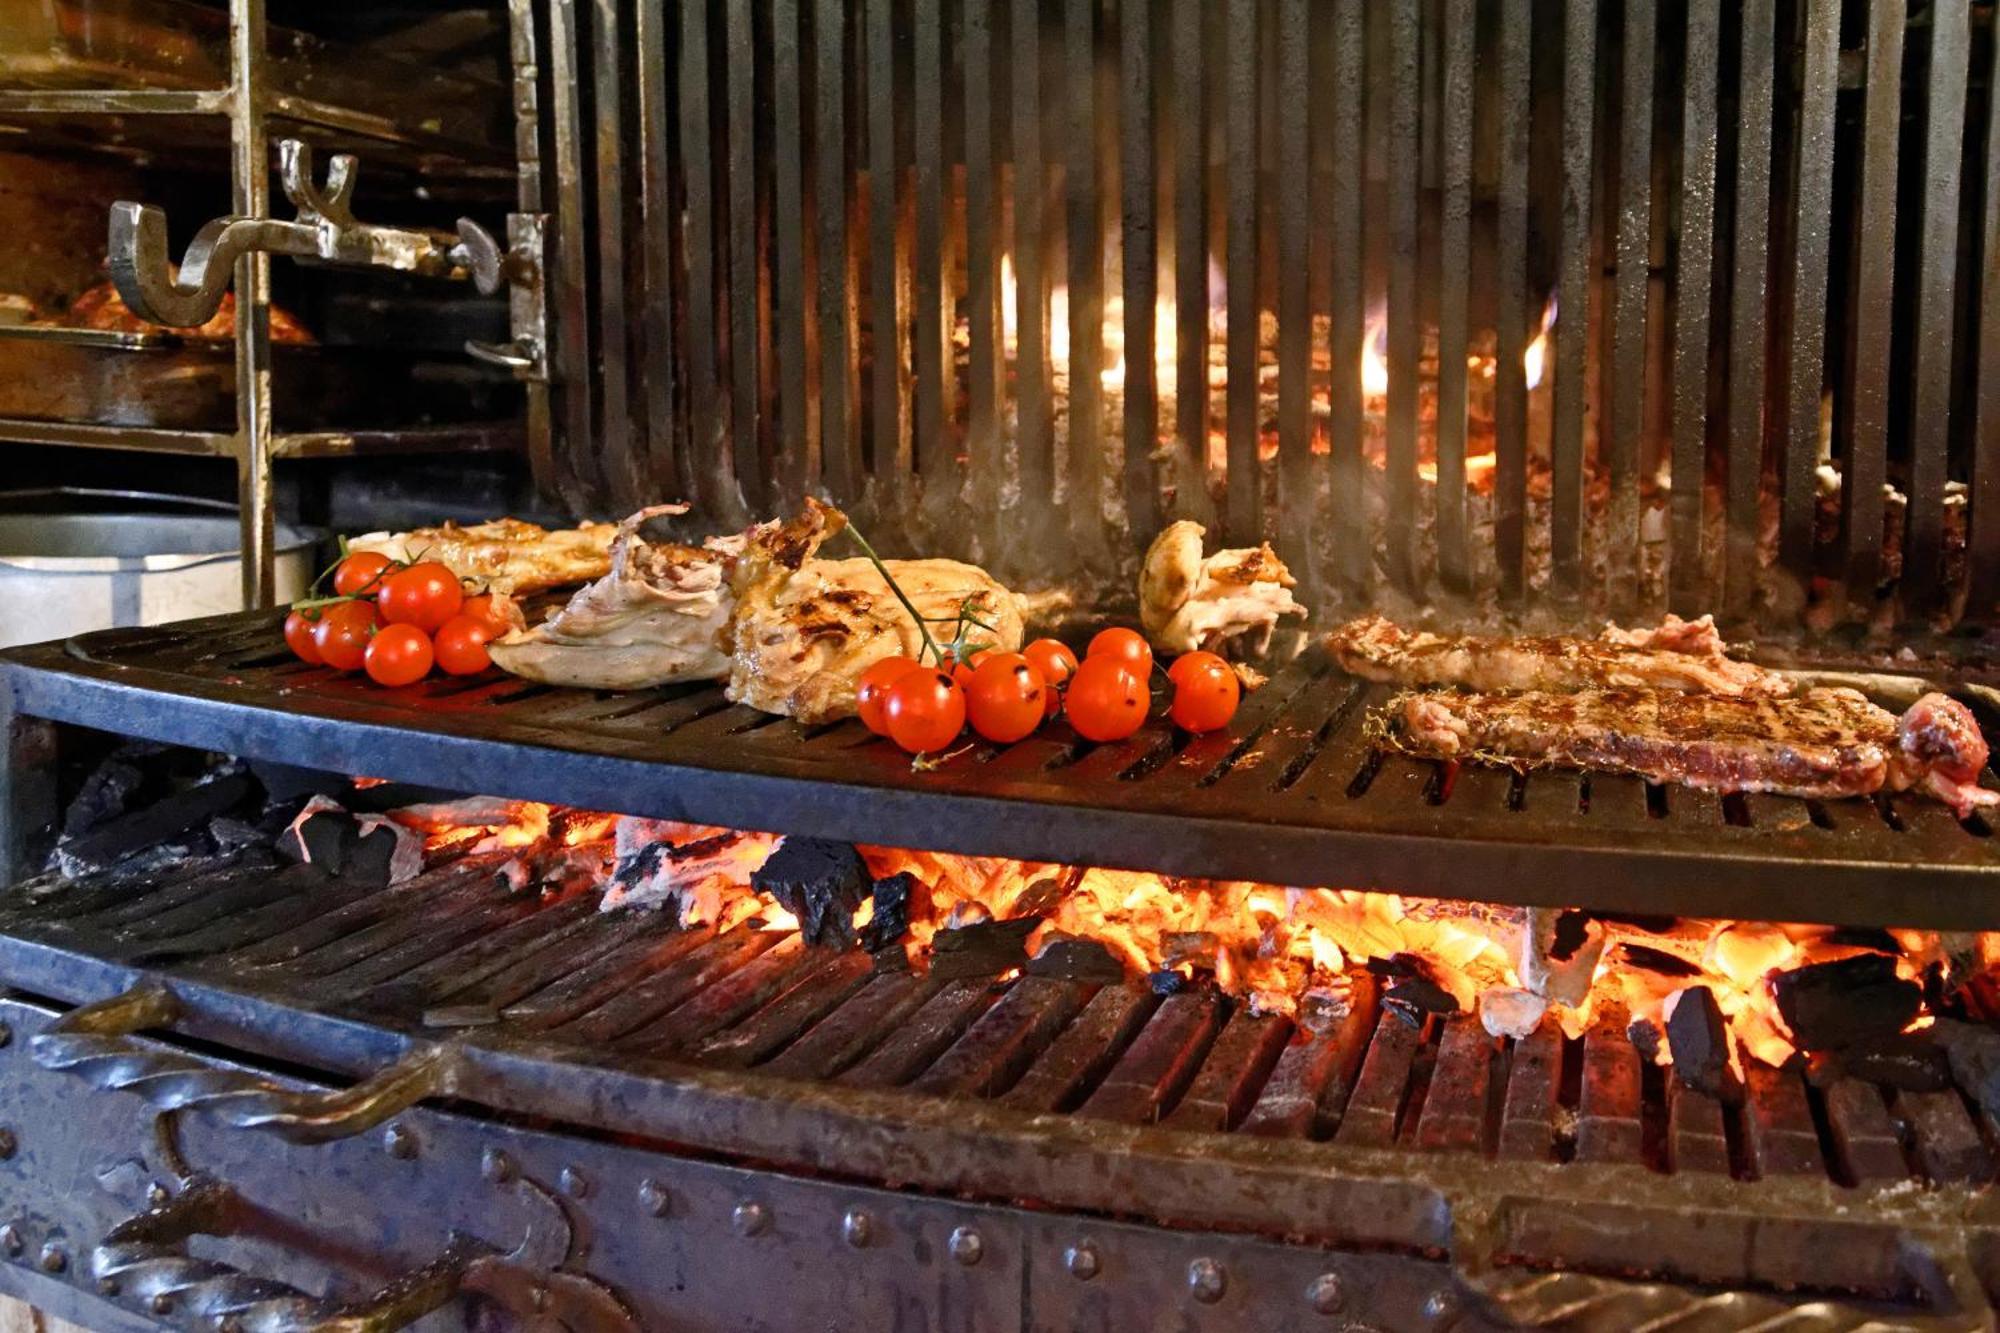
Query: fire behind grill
pixel 1292 793
pixel 1106 1098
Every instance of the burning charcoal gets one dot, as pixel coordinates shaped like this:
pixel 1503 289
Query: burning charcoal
pixel 1324 1008
pixel 320 835
pixel 1571 932
pixel 1550 963
pixel 1075 959
pixel 105 794
pixel 1974 1053
pixel 1166 981
pixel 155 828
pixel 966 912
pixel 1657 961
pixel 1645 1038
pixel 1864 937
pixel 1041 897
pixel 1413 998
pixel 1850 1000
pixel 1908 1061
pixel 1505 1012
pixel 1198 947
pixel 1698 1036
pixel 983 949
pixel 230 834
pixel 821 883
pixel 384 854
pixel 891 920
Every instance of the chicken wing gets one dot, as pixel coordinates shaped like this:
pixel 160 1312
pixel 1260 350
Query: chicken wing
pixel 1232 599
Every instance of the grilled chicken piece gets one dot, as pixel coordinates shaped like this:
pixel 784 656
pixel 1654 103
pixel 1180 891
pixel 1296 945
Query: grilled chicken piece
pixel 1679 654
pixel 805 629
pixel 1823 742
pixel 507 555
pixel 657 617
pixel 1230 600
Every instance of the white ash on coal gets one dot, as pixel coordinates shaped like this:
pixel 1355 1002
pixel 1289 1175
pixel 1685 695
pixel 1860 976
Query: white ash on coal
pixel 367 848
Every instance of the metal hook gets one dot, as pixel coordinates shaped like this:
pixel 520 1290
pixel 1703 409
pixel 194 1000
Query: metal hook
pixel 335 203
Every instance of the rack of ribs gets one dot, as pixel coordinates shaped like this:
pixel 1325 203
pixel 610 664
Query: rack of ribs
pixel 1821 742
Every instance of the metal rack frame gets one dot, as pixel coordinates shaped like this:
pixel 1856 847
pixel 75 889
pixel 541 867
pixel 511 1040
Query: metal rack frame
pixel 250 103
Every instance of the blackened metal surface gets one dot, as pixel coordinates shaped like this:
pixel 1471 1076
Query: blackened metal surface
pixel 1138 170
pixel 1748 310
pixel 1625 374
pixel 1190 189
pixel 1242 164
pixel 1292 792
pixel 1352 560
pixel 1691 303
pixel 1874 278
pixel 1804 366
pixel 1404 336
pixel 1579 97
pixel 1510 262
pixel 1454 280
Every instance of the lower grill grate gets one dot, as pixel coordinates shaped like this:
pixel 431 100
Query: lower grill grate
pixel 1292 793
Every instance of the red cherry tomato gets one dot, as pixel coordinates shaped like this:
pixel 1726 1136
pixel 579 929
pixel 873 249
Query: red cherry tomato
pixel 1192 663
pixel 924 711
pixel 1004 702
pixel 1057 664
pixel 361 574
pixel 299 638
pixel 343 632
pixel 1106 699
pixel 461 645
pixel 399 655
pixel 962 671
pixel 425 595
pixel 502 611
pixel 1125 645
pixel 871 692
pixel 1205 694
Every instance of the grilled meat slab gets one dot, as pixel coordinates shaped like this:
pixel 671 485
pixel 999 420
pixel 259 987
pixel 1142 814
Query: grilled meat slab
pixel 1822 742
pixel 1679 654
pixel 507 555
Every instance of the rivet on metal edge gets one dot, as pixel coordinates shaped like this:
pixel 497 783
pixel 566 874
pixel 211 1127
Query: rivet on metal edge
pixel 1442 1308
pixel 163 1303
pixel 750 1219
pixel 1207 1281
pixel 8 1144
pixel 10 1240
pixel 1081 1260
pixel 53 1258
pixel 857 1228
pixel 496 1166
pixel 574 1183
pixel 157 1195
pixel 107 1286
pixel 1325 1295
pixel 653 1197
pixel 966 1246
pixel 399 1142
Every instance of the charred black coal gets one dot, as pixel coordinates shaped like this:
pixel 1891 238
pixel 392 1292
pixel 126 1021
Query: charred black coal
pixel 1572 929
pixel 1974 1052
pixel 982 949
pixel 1075 959
pixel 891 920
pixel 105 794
pixel 157 829
pixel 1845 1002
pixel 1645 1039
pixel 819 881
pixel 322 838
pixel 1040 898
pixel 1658 961
pixel 1909 1061
pixel 1413 991
pixel 1698 1036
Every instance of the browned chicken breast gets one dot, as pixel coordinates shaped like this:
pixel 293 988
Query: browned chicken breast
pixel 507 555
pixel 1230 600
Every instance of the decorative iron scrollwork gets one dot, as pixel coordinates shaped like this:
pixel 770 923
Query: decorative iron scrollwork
pixel 97 1042
pixel 144 1262
pixel 325 231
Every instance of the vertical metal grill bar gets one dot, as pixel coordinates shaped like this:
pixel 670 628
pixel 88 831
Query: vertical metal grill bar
pixel 1454 275
pixel 1983 535
pixel 1874 299
pixel 1245 491
pixel 1086 276
pixel 1405 335
pixel 1691 302
pixel 1031 290
pixel 745 330
pixel 839 443
pixel 1296 481
pixel 1510 264
pixel 618 461
pixel 1748 293
pixel 934 440
pixel 795 443
pixel 663 476
pixel 711 471
pixel 529 198
pixel 1936 309
pixel 1806 345
pixel 982 295
pixel 569 287
pixel 1139 183
pixel 1626 382
pixel 1572 330
pixel 250 193
pixel 1348 299
pixel 888 277
pixel 1191 498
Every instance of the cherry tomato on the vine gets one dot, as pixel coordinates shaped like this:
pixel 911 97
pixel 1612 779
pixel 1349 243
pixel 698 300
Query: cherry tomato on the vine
pixel 399 655
pixel 343 632
pixel 962 671
pixel 461 644
pixel 872 690
pixel 924 711
pixel 1190 663
pixel 498 609
pixel 361 574
pixel 299 637
pixel 1004 702
pixel 425 595
pixel 1106 699
pixel 1124 645
pixel 1205 693
pixel 1057 664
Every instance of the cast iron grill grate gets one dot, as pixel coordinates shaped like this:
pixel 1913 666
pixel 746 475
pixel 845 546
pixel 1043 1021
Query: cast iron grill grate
pixel 1293 792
